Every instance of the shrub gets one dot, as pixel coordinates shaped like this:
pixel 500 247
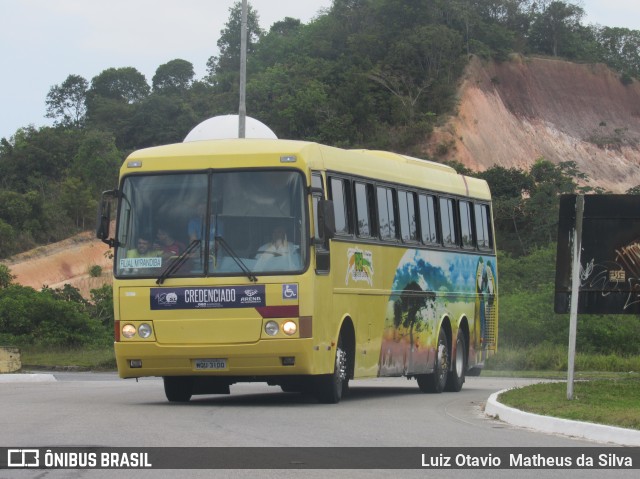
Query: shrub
pixel 549 357
pixel 50 318
pixel 102 306
pixel 626 78
pixel 6 278
pixel 95 271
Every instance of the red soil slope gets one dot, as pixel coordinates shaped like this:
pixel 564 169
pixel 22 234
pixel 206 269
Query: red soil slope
pixel 68 261
pixel 512 113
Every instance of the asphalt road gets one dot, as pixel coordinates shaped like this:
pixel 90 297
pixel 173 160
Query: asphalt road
pixel 100 410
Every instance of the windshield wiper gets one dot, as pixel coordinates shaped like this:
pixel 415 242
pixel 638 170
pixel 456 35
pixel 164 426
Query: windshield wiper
pixel 236 258
pixel 176 263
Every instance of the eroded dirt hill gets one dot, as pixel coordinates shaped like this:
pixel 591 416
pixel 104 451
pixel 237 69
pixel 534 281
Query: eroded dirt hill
pixel 512 113
pixel 68 261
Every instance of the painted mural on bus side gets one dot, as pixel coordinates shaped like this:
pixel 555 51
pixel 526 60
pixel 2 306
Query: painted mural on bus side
pixel 427 287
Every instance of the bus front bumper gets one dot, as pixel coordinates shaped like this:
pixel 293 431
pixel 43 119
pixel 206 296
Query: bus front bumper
pixel 261 359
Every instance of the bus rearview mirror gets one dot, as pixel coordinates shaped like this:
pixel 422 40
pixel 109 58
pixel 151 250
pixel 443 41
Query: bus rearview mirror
pixel 104 216
pixel 326 220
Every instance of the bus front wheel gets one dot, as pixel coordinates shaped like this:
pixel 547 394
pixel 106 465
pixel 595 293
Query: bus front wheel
pixel 330 388
pixel 436 381
pixel 178 388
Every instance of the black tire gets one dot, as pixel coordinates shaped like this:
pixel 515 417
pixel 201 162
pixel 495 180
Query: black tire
pixel 456 377
pixel 290 388
pixel 474 372
pixel 294 387
pixel 330 388
pixel 436 381
pixel 178 388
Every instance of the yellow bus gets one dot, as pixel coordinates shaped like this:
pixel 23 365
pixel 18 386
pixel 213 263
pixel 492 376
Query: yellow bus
pixel 300 265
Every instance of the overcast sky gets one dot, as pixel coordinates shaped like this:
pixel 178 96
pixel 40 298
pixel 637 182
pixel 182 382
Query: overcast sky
pixel 44 41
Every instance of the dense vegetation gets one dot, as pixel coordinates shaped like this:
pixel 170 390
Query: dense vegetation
pixel 52 318
pixel 366 73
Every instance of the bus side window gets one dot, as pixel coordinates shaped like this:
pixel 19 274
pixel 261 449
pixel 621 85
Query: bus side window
pixel 428 222
pixel 483 232
pixel 407 213
pixel 448 223
pixel 466 230
pixel 364 224
pixel 340 203
pixel 386 213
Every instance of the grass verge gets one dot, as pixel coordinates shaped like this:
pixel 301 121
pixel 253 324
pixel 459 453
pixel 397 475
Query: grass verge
pixel 102 359
pixel 606 391
pixel 614 402
pixel 551 357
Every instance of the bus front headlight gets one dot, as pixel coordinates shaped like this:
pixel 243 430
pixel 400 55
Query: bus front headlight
pixel 271 328
pixel 289 328
pixel 144 330
pixel 128 331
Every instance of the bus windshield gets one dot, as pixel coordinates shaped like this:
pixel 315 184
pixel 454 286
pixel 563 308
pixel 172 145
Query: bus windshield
pixel 230 222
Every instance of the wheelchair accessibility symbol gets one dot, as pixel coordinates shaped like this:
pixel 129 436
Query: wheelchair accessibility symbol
pixel 289 291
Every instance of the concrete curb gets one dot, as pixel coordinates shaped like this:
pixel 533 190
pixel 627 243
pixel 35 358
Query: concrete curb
pixel 27 378
pixel 594 432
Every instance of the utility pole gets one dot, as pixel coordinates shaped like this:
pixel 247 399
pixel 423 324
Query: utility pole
pixel 242 110
pixel 575 292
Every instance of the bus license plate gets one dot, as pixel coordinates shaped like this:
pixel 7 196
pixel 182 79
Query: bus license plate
pixel 211 364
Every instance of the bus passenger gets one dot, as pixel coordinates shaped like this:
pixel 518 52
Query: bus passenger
pixel 143 248
pixel 278 254
pixel 166 244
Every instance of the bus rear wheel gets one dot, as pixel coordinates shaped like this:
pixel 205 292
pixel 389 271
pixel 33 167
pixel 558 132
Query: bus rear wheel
pixel 456 377
pixel 178 388
pixel 330 388
pixel 436 381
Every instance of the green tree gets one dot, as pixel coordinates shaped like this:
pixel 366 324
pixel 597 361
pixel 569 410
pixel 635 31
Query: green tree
pixel 33 157
pixel 78 201
pixel 15 209
pixel 8 244
pixel 223 70
pixel 525 204
pixel 175 76
pixel 97 161
pixel 280 45
pixel 101 305
pixel 289 102
pixel 6 278
pixel 66 102
pixel 122 84
pixel 416 62
pixel 554 28
pixel 112 102
pixel 620 49
pixel 161 119
pixel 49 318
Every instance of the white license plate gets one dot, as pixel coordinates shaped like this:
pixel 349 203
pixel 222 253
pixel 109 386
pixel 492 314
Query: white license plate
pixel 211 364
